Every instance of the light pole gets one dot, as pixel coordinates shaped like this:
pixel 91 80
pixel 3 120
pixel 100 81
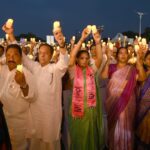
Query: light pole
pixel 140 22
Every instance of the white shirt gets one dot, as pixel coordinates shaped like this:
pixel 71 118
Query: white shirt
pixel 16 107
pixel 47 110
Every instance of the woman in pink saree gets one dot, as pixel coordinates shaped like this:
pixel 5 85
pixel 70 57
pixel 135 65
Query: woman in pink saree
pixel 120 103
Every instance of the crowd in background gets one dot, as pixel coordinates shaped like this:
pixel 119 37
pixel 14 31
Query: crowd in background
pixel 85 94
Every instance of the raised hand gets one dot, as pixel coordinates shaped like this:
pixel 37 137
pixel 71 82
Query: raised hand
pixel 97 37
pixel 20 78
pixel 59 37
pixel 7 30
pixel 85 34
pixel 108 52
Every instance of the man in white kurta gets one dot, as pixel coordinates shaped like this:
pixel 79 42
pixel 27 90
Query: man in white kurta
pixel 47 110
pixel 16 106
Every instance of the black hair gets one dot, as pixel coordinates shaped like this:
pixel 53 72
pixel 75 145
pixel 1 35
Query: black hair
pixel 81 52
pixel 15 46
pixel 129 45
pixel 51 49
pixel 118 50
pixel 93 45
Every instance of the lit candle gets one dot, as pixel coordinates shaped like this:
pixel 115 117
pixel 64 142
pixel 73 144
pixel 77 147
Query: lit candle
pixel 83 45
pixel 103 44
pixel 30 56
pixel 7 36
pixel 58 48
pixel 9 23
pixel 89 28
pixel 89 42
pixel 73 38
pixel 56 24
pixel 111 46
pixel 32 40
pixel 136 47
pixel 144 41
pixel 139 39
pixel 94 29
pixel 19 68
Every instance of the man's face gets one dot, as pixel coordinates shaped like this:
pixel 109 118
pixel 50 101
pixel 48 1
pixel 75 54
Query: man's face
pixel 13 58
pixel 44 55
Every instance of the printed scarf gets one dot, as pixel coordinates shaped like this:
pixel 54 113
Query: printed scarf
pixel 79 93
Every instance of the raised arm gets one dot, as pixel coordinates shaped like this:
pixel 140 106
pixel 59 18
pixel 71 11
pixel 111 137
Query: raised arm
pixel 104 73
pixel 140 68
pixel 97 39
pixel 76 48
pixel 62 64
pixel 10 32
pixel 26 61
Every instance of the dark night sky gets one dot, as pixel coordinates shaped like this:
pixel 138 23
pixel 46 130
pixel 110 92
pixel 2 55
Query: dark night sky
pixel 37 16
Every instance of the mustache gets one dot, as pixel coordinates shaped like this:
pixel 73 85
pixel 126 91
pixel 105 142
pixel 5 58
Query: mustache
pixel 12 62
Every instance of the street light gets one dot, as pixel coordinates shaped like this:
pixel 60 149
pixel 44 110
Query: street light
pixel 140 22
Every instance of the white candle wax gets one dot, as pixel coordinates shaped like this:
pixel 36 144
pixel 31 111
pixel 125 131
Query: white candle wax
pixel 136 47
pixel 144 41
pixel 19 68
pixel 56 24
pixel 7 36
pixel 83 45
pixel 9 23
pixel 111 46
pixel 74 38
pixel 94 29
pixel 89 27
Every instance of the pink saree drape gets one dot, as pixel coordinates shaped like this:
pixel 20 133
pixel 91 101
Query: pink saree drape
pixel 120 107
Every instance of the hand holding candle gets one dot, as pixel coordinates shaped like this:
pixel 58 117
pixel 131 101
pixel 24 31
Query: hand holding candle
pixel 20 68
pixel 89 28
pixel 111 46
pixel 94 29
pixel 144 42
pixel 9 23
pixel 73 38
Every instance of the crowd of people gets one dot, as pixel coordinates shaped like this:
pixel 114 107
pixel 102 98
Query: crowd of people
pixel 85 95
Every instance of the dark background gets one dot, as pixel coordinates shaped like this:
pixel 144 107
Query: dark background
pixel 37 16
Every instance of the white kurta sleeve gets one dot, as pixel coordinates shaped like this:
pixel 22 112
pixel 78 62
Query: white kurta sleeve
pixel 29 64
pixel 62 65
pixel 30 81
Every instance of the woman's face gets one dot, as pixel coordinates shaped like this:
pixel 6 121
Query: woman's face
pixel 122 56
pixel 147 61
pixel 83 60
